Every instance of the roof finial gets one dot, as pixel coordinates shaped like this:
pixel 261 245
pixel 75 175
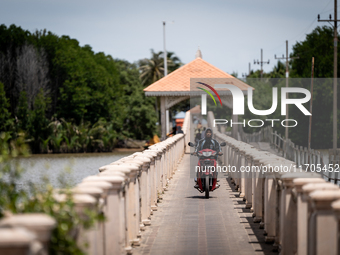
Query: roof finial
pixel 198 53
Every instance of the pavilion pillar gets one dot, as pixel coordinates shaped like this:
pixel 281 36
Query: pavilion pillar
pixel 163 118
pixel 167 119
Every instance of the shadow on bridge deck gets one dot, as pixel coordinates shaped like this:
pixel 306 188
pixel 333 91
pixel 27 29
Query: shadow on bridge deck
pixel 187 223
pixel 256 235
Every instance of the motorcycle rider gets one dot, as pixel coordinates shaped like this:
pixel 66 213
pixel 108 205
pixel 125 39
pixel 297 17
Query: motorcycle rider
pixel 207 143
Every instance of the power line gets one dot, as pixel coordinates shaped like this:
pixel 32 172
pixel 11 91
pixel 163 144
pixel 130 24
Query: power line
pixel 307 28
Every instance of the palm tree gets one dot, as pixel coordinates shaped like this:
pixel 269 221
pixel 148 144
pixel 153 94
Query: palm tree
pixel 174 62
pixel 151 70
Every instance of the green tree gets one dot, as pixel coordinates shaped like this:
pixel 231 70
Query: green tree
pixel 22 111
pixel 140 117
pixel 318 44
pixel 151 70
pixel 6 122
pixel 38 123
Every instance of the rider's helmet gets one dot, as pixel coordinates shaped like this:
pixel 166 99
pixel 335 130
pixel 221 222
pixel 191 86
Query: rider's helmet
pixel 209 129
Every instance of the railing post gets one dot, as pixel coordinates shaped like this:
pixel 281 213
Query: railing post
pixel 248 183
pixel 323 227
pixel 153 177
pixel 302 212
pixel 16 241
pixel 38 223
pixel 94 181
pixel 89 238
pixel 288 221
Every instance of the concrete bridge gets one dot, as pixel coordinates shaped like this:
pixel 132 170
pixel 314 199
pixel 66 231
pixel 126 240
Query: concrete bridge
pixel 152 208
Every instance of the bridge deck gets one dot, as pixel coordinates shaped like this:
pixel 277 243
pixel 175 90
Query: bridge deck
pixel 187 223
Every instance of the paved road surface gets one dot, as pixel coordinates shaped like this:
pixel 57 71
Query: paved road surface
pixel 187 223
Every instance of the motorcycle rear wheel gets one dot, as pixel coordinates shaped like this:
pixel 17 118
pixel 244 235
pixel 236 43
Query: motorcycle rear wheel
pixel 207 186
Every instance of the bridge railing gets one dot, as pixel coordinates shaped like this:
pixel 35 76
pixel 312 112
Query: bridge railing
pixel 128 191
pixel 298 210
pixel 302 156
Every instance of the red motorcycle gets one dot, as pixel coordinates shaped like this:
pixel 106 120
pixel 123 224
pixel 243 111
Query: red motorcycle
pixel 206 170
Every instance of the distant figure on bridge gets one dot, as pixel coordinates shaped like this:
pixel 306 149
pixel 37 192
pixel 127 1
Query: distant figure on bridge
pixel 203 133
pixel 199 125
pixel 179 130
pixel 198 136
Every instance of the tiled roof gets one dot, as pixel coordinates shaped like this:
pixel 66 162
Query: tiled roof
pixel 179 80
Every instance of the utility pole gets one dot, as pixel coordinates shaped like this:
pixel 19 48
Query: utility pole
pixel 335 89
pixel 311 111
pixel 261 62
pixel 287 77
pixel 246 75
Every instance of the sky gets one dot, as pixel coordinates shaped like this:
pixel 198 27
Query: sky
pixel 230 34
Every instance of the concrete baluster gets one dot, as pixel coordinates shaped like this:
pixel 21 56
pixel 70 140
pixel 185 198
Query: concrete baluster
pixel 336 209
pixel 18 241
pixel 242 174
pixel 258 183
pixel 270 207
pixel 40 224
pixel 159 169
pixel 132 207
pixel 169 163
pixel 119 177
pixel 302 212
pixel 82 203
pixel 92 181
pixel 323 225
pixel 90 236
pixel 146 187
pixel 154 173
pixel 288 216
pixel 248 183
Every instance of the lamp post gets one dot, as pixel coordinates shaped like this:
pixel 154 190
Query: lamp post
pixel 164 52
pixel 165 74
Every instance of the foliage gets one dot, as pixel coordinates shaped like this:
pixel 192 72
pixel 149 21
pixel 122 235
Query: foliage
pixel 6 121
pixel 151 70
pixel 42 200
pixel 318 44
pixel 89 94
pixel 141 107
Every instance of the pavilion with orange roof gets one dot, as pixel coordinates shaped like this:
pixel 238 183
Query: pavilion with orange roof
pixel 175 87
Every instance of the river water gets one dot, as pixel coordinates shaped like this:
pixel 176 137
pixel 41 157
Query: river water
pixel 64 168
